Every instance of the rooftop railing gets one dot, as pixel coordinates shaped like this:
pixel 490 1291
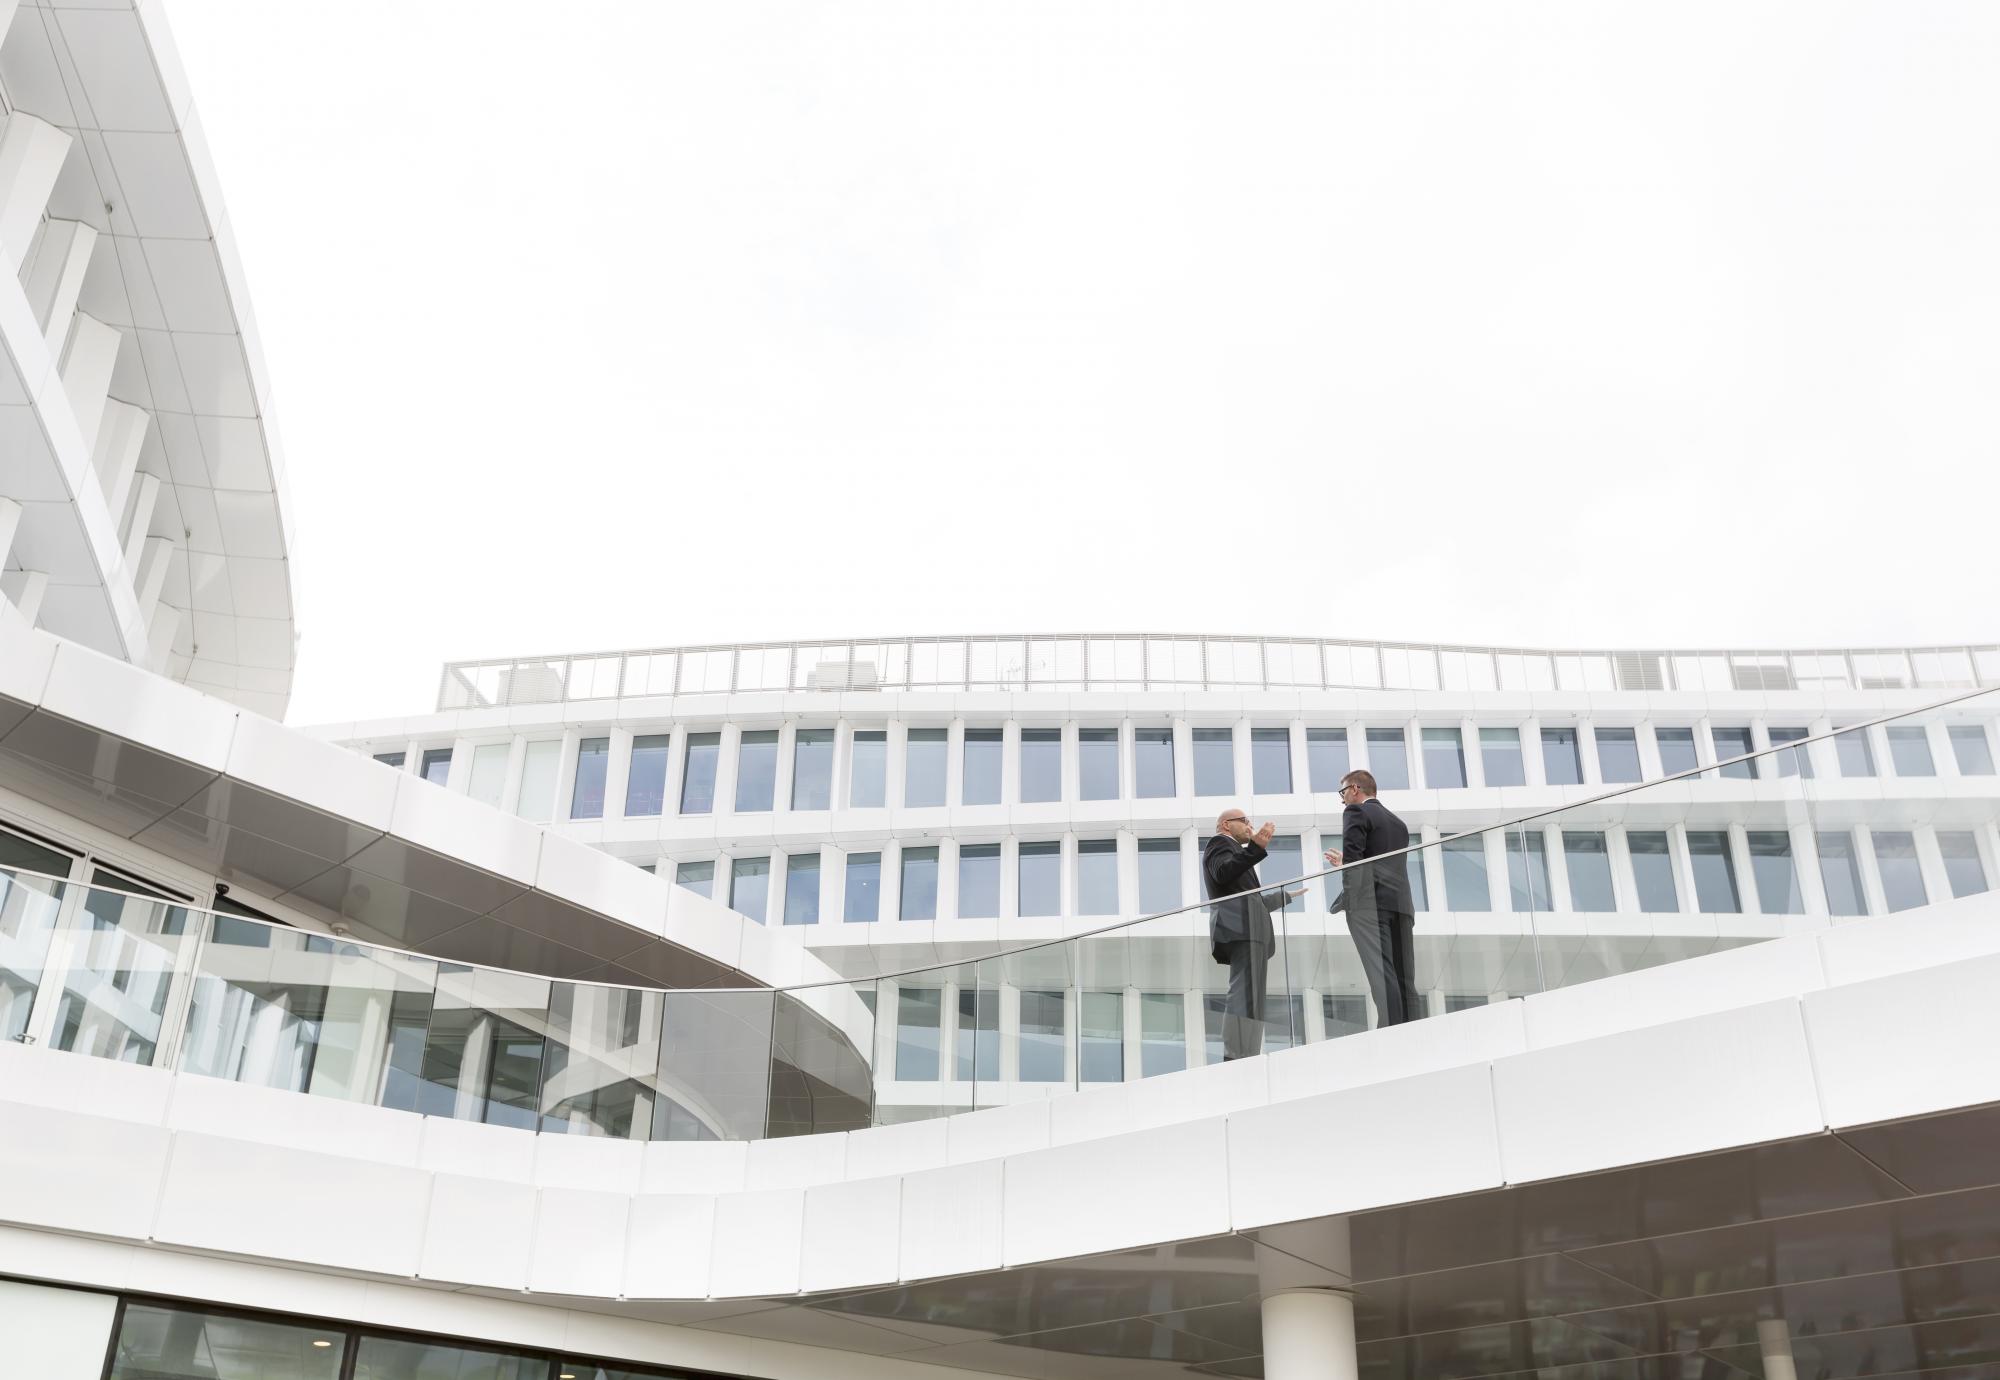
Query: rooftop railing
pixel 1787 840
pixel 1158 661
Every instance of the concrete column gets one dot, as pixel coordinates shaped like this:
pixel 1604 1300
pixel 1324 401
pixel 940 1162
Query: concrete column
pixel 1475 760
pixel 1010 762
pixel 725 768
pixel 146 497
pixel 1805 859
pixel 617 770
pixel 1871 870
pixel 954 763
pixel 1586 753
pixel 1309 1335
pixel 1930 860
pixel 1746 872
pixel 1183 760
pixel 1413 754
pixel 1239 742
pixel 86 372
pixel 1532 766
pixel 894 771
pixel 121 435
pixel 1774 1342
pixel 781 776
pixel 1072 762
pixel 1624 882
pixel 53 276
pixel 947 882
pixel 31 156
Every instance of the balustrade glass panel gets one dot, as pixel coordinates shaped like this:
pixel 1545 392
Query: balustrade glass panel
pixel 123 956
pixel 28 909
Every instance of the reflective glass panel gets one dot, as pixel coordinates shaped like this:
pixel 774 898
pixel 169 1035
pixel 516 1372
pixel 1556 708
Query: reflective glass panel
pixel 1100 1054
pixel 1902 875
pixel 802 889
pixel 1041 765
pixel 863 900
pixel 1388 759
pixel 158 1341
pixel 1676 749
pixel 1042 1037
pixel 1910 750
pixel 1444 759
pixel 1271 761
pixel 1653 871
pixel 1733 740
pixel 1714 872
pixel 1284 863
pixel 1343 1014
pixel 698 779
pixel 1856 757
pixel 538 780
pixel 390 759
pixel 1465 874
pixel 1214 761
pixel 757 771
pixel 1973 750
pixel 1528 871
pixel 920 878
pixel 1962 865
pixel 1160 876
pixel 586 801
pixel 1500 754
pixel 1588 863
pixel 1840 872
pixel 1097 877
pixel 646 783
pixel 812 769
pixel 979 880
pixel 1097 763
pixel 436 767
pixel 918 1013
pixel 750 886
pixel 978 1052
pixel 489 772
pixel 28 909
pixel 1162 1033
pixel 1561 764
pixel 1326 758
pixel 924 767
pixel 1777 879
pixel 602 1061
pixel 121 964
pixel 1419 872
pixel 483 1047
pixel 698 877
pixel 1797 762
pixel 1153 762
pixel 1618 755
pixel 1040 878
pixel 980 780
pixel 871 769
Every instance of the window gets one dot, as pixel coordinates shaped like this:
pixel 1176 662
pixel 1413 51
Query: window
pixel 750 886
pixel 1465 873
pixel 1840 871
pixel 1653 872
pixel 1910 750
pixel 1214 761
pixel 1962 865
pixel 586 800
pixel 1388 759
pixel 436 768
pixel 1284 863
pixel 1326 758
pixel 646 782
pixel 390 759
pixel 1100 1053
pixel 1271 761
pixel 32 855
pixel 1856 757
pixel 1343 1014
pixel 1777 880
pixel 1097 877
pixel 1589 865
pixel 1162 1033
pixel 1213 1012
pixel 1528 871
pixel 1797 762
pixel 979 881
pixel 802 889
pixel 812 769
pixel 1040 879
pixel 1153 762
pixel 1970 746
pixel 489 772
pixel 1618 756
pixel 757 771
pixel 1733 741
pixel 1676 749
pixel 698 877
pixel 978 1053
pixel 920 878
pixel 1097 763
pixel 1561 764
pixel 871 769
pixel 918 1013
pixel 1902 876
pixel 1444 759
pixel 1160 876
pixel 924 767
pixel 1042 1037
pixel 979 782
pixel 698 775
pixel 161 1341
pixel 1420 882
pixel 1500 754
pixel 1714 873
pixel 863 899
pixel 1284 1023
pixel 1041 765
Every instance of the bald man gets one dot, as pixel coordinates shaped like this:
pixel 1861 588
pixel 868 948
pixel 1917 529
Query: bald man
pixel 1239 929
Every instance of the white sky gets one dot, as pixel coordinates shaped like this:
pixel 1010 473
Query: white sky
pixel 601 325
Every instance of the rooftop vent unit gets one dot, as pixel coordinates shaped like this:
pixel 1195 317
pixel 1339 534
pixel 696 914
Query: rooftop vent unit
pixel 1639 672
pixel 845 675
pixel 534 682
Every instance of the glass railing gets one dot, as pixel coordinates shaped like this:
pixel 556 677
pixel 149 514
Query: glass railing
pixel 1858 819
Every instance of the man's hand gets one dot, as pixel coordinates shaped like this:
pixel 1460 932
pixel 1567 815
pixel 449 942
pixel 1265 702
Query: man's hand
pixel 1332 856
pixel 1295 893
pixel 1262 838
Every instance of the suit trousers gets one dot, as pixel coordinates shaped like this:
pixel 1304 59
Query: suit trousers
pixel 1385 941
pixel 1243 1012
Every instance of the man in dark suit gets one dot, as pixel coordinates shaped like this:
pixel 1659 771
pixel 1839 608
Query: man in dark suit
pixel 1381 915
pixel 1239 929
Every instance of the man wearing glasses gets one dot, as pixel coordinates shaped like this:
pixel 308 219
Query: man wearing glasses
pixel 1239 928
pixel 1381 915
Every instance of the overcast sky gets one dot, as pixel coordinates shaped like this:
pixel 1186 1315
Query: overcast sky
pixel 601 325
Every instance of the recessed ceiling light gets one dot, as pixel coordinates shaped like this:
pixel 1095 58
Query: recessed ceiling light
pixel 566 1376
pixel 321 1341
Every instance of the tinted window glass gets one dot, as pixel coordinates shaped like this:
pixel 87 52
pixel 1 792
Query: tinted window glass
pixel 1733 741
pixel 924 767
pixel 1676 749
pixel 1588 863
pixel 586 801
pixel 1153 762
pixel 1962 865
pixel 1840 872
pixel 863 900
pixel 1856 757
pixel 802 889
pixel 1097 877
pixel 698 779
pixel 757 771
pixel 1041 764
pixel 1653 872
pixel 1040 879
pixel 1465 874
pixel 1910 750
pixel 812 769
pixel 919 890
pixel 1560 763
pixel 1970 746
pixel 750 886
pixel 980 781
pixel 1528 871
pixel 1500 754
pixel 698 877
pixel 1777 880
pixel 979 880
pixel 1159 876
pixel 1444 759
pixel 1271 761
pixel 1618 755
pixel 646 782
pixel 1902 876
pixel 918 1010
pixel 1714 873
pixel 1041 1044
pixel 1388 759
pixel 1214 762
pixel 871 769
pixel 1326 758
pixel 1097 763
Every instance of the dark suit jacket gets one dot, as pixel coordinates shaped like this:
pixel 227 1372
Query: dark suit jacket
pixel 1226 867
pixel 1369 830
